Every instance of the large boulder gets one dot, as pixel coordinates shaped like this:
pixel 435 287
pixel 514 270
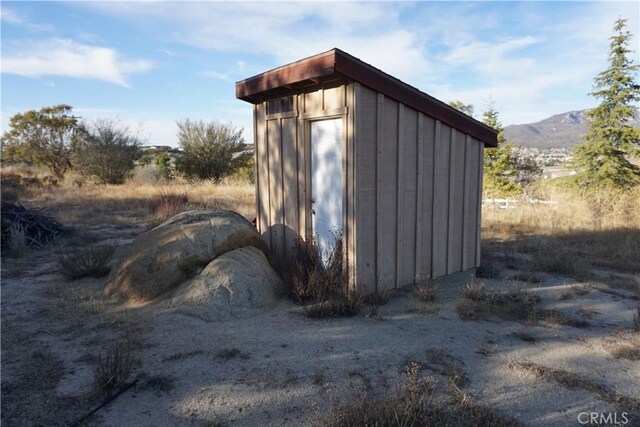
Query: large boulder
pixel 177 250
pixel 233 285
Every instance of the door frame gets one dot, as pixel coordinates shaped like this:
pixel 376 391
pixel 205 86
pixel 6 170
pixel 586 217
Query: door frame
pixel 340 113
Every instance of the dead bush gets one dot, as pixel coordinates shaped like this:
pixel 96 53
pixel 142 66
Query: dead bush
pixel 35 226
pixel 301 272
pixel 113 367
pixel 321 289
pixel 427 291
pixel 414 404
pixel 341 304
pixel 86 262
pixel 475 291
pixel 403 407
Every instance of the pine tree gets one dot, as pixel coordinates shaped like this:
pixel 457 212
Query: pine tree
pixel 501 162
pixel 602 160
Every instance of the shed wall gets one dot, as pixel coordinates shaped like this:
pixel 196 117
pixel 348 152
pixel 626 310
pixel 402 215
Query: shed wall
pixel 417 194
pixel 412 185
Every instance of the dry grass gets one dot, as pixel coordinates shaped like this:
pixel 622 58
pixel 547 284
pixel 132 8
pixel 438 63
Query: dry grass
pixel 168 205
pixel 89 203
pixel 475 291
pixel 414 403
pixel 517 305
pixel 571 236
pixel 91 261
pixel 427 291
pixel 625 352
pixel 574 381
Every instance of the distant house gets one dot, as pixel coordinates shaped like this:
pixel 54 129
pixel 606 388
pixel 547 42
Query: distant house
pixel 342 147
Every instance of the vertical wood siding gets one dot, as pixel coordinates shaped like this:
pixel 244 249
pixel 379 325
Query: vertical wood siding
pixel 289 183
pixel 440 241
pixel 276 196
pixel 262 177
pixel 387 204
pixel 365 121
pixel 456 199
pixel 417 195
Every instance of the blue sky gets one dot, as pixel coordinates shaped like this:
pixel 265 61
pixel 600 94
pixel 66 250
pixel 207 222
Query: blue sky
pixel 153 63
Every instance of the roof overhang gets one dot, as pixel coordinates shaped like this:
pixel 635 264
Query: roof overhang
pixel 335 65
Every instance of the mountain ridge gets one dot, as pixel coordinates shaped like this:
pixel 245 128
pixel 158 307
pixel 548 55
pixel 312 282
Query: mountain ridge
pixel 564 130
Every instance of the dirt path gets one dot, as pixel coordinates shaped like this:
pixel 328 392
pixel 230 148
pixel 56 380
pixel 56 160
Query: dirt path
pixel 281 368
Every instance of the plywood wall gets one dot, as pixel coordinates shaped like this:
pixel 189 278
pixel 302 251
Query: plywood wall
pixel 417 195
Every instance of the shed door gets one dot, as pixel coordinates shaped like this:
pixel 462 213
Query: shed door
pixel 326 183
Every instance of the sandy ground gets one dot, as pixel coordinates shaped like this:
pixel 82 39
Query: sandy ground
pixel 281 368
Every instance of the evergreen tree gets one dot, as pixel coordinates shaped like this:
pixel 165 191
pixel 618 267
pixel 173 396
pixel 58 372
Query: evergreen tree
pixel 500 163
pixel 602 160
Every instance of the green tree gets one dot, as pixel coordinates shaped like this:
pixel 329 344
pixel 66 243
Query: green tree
pixel 501 162
pixel 44 137
pixel 210 150
pixel 163 164
pixel 465 108
pixel 107 152
pixel 603 159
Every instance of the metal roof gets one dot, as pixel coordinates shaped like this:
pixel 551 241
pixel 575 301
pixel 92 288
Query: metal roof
pixel 336 64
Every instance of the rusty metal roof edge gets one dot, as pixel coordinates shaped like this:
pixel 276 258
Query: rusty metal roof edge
pixel 330 52
pixel 454 115
pixel 342 63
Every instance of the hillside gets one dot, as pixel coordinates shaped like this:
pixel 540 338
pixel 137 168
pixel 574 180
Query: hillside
pixel 559 131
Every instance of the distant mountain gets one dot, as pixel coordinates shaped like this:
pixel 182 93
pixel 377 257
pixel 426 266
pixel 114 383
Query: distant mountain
pixel 560 131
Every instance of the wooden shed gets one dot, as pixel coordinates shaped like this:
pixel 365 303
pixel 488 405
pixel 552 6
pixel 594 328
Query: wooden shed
pixel 342 146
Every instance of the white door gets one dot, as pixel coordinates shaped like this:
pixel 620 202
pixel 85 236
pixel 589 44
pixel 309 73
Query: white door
pixel 326 183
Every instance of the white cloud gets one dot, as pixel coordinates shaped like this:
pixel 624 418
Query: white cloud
pixel 63 57
pixel 531 58
pixel 286 32
pixel 11 17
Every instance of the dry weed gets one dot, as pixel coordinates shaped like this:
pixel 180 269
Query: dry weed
pixel 574 381
pixel 113 367
pixel 625 352
pixel 87 262
pixel 427 291
pixel 573 233
pixel 475 291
